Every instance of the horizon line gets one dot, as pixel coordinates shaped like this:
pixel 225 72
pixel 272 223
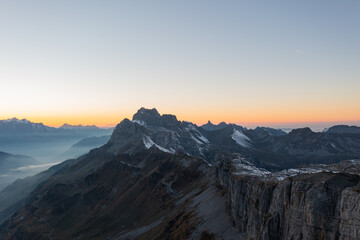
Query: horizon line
pixel 286 124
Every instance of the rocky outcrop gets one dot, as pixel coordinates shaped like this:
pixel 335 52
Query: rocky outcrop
pixel 152 117
pixel 350 214
pixel 321 205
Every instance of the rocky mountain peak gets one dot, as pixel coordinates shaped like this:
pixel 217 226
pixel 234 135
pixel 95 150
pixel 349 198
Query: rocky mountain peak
pixel 271 131
pixel 301 131
pixel 343 129
pixel 15 120
pixel 169 120
pixel 209 126
pixel 152 118
pixel 149 116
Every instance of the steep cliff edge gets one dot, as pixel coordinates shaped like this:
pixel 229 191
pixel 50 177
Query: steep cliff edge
pixel 322 205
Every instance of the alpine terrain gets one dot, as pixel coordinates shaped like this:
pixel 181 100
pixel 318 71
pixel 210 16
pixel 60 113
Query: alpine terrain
pixel 160 178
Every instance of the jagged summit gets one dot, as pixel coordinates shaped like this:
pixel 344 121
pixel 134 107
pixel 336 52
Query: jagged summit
pixel 145 114
pixel 301 131
pixel 15 120
pixel 23 126
pixel 209 126
pixel 152 117
pixel 148 128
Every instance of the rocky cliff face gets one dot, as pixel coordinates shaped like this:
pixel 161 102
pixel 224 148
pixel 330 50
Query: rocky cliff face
pixel 322 205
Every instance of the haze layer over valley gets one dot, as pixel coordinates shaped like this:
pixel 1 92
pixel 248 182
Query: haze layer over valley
pixel 29 148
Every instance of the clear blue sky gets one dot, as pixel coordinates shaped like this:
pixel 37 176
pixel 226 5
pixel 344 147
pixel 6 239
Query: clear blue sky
pixel 237 61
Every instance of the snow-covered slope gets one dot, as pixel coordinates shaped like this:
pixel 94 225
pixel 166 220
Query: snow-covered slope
pixel 240 138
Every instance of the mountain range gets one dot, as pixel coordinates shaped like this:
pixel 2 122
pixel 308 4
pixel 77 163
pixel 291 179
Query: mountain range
pixel 16 126
pixel 43 142
pixel 265 147
pixel 160 178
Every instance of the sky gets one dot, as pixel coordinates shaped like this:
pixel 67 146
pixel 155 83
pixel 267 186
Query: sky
pixel 276 63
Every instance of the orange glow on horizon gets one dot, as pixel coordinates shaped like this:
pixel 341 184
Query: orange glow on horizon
pixel 265 118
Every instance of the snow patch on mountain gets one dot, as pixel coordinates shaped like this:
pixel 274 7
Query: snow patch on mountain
pixel 196 140
pixel 202 138
pixel 199 138
pixel 334 146
pixel 140 122
pixel 190 126
pixel 148 142
pixel 241 139
pixel 243 167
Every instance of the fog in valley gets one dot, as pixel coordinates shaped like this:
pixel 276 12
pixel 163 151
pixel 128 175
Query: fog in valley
pixel 24 155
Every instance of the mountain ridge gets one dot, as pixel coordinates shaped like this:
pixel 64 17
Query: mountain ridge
pixel 24 126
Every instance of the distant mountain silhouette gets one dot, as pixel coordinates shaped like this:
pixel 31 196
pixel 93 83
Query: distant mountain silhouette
pixel 211 127
pixel 14 126
pixel 84 146
pixel 344 129
pixel 68 126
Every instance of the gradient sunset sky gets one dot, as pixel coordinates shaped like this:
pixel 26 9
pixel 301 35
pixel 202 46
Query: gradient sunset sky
pixel 276 63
